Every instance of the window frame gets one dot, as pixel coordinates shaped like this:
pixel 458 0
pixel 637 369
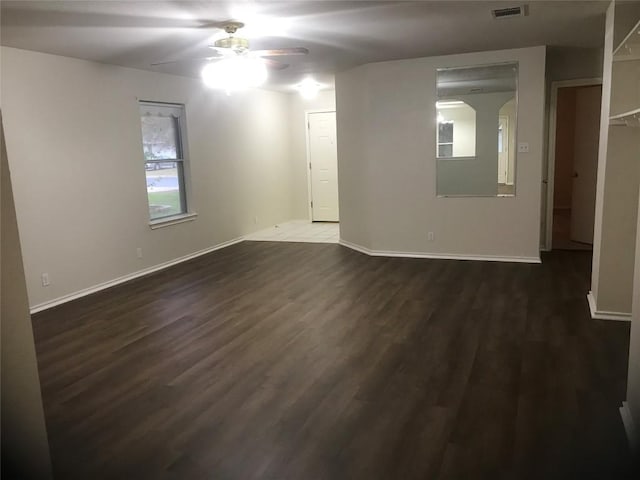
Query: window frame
pixel 178 112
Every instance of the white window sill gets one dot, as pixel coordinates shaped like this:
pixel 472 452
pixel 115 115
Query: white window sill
pixel 168 221
pixel 450 159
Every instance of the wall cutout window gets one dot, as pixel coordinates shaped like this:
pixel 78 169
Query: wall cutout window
pixel 481 102
pixel 163 131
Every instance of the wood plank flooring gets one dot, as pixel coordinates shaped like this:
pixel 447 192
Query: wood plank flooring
pixel 312 362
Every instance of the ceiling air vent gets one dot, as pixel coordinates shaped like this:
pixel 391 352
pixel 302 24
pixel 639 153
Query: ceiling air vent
pixel 519 11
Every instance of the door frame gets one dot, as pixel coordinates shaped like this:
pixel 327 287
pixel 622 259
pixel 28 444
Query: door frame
pixel 508 151
pixel 308 156
pixel 551 153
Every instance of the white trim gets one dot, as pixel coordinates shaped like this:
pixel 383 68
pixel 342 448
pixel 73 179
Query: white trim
pixel 125 278
pixel 551 153
pixel 438 256
pixel 603 314
pixel 630 428
pixel 308 156
pixel 168 221
pixel 354 246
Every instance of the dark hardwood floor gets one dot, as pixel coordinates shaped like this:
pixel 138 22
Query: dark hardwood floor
pixel 312 361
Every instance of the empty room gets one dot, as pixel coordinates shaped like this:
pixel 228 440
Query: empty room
pixel 317 240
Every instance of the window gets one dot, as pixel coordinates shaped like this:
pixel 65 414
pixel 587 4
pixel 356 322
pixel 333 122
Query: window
pixel 164 158
pixel 456 136
pixel 445 139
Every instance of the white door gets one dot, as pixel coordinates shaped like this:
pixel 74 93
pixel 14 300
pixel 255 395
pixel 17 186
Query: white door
pixel 323 158
pixel 503 149
pixel 585 163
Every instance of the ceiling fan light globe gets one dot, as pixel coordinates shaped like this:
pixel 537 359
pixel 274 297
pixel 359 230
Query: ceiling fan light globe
pixel 212 75
pixel 237 44
pixel 234 74
pixel 256 71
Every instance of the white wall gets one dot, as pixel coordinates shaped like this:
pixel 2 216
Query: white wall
pixel 25 449
pixel 570 63
pixel 633 383
pixel 618 223
pixel 615 282
pixel 353 152
pixel 625 17
pixel 74 144
pixel 387 166
pixel 326 100
pixel 617 183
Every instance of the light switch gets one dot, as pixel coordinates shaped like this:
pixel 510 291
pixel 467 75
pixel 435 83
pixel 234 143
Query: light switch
pixel 523 147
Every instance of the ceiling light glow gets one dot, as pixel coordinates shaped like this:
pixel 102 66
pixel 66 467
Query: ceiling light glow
pixel 258 25
pixel 308 88
pixel 233 74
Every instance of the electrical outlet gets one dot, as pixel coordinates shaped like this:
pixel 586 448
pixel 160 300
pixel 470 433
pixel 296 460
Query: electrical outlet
pixel 139 252
pixel 430 236
pixel 523 147
pixel 45 279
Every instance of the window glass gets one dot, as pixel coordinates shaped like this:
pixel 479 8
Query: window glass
pixel 160 137
pixel 164 163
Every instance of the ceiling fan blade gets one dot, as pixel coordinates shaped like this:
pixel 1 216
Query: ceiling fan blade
pixel 221 24
pixel 274 64
pixel 281 52
pixel 184 60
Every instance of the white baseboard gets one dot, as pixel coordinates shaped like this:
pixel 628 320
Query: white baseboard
pixel 438 256
pixel 140 273
pixel 355 247
pixel 630 428
pixel 603 314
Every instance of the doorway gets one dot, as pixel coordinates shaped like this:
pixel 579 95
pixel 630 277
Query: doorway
pixel 323 166
pixel 574 166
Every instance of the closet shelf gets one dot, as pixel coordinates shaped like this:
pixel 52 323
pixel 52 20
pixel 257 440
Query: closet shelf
pixel 629 48
pixel 629 119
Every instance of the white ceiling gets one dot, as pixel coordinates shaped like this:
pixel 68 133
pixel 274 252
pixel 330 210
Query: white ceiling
pixel 338 34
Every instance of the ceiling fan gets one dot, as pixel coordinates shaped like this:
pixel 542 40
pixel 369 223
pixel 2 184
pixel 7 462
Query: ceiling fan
pixel 233 46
